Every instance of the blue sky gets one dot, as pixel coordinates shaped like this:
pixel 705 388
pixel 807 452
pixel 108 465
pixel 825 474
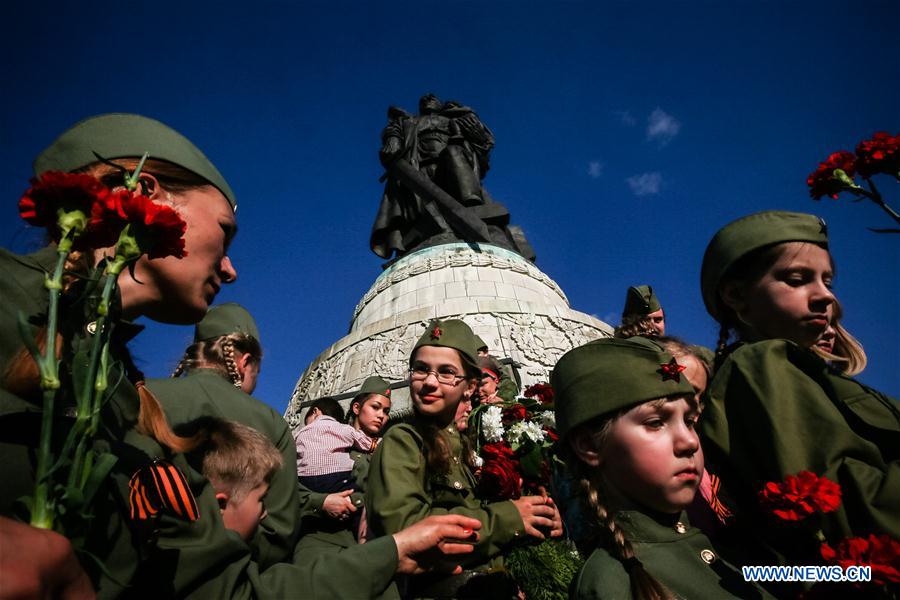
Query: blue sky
pixel 627 134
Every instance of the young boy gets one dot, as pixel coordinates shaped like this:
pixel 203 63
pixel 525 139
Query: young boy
pixel 323 448
pixel 239 463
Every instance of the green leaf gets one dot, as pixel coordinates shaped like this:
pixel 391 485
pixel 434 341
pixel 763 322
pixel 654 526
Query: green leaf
pixel 27 337
pixel 102 466
pixel 531 462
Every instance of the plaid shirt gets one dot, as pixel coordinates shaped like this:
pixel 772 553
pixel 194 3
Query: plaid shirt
pixel 323 447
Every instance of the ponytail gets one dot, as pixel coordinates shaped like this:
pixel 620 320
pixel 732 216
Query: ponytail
pixel 152 422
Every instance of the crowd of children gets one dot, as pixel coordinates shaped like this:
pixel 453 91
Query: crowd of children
pixel 676 466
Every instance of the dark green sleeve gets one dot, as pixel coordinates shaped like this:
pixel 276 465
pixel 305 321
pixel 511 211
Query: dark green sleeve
pixel 769 416
pixel 310 502
pixel 279 531
pixel 397 496
pixel 204 560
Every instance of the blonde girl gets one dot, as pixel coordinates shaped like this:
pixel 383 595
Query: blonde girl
pixel 775 407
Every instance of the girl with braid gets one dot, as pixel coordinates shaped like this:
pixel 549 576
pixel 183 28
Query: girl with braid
pixel 775 407
pixel 626 415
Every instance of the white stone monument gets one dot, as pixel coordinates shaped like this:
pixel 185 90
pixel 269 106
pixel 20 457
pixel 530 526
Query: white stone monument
pixel 519 312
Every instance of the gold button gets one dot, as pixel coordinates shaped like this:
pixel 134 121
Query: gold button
pixel 680 527
pixel 516 533
pixel 456 460
pixel 358 502
pixel 708 556
pixel 457 485
pixel 91 327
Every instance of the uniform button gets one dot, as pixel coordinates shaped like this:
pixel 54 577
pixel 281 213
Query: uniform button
pixel 358 502
pixel 680 527
pixel 516 533
pixel 708 556
pixel 456 460
pixel 344 481
pixel 91 327
pixel 457 485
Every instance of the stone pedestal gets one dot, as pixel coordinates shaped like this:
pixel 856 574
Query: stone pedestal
pixel 519 312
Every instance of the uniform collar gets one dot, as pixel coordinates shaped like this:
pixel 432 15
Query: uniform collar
pixel 646 527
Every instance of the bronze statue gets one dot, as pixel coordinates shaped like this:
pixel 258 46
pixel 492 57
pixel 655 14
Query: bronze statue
pixel 434 163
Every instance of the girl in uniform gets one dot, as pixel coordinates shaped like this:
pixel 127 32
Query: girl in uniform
pixel 626 415
pixel 419 468
pixel 168 553
pixel 775 408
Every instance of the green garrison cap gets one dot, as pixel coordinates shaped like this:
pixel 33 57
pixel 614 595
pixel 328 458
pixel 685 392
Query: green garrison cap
pixel 640 300
pixel 374 385
pixel 610 374
pixel 739 238
pixel 123 135
pixel 225 319
pixel 452 333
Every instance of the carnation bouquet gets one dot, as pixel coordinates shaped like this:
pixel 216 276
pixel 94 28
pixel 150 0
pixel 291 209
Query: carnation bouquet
pixel 837 173
pixel 515 450
pixel 82 215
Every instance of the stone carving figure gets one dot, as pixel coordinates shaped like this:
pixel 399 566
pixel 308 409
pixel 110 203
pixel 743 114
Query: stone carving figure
pixel 434 164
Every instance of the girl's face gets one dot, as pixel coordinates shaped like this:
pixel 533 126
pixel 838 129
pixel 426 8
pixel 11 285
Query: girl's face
pixel 431 398
pixel 793 299
pixel 181 290
pixel 488 386
pixel 372 414
pixel 652 455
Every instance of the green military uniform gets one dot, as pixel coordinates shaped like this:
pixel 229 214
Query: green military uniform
pixel 206 393
pixel 164 556
pixel 199 558
pixel 679 556
pixel 401 492
pixel 775 409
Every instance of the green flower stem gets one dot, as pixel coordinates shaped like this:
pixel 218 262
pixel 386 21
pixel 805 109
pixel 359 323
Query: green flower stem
pixel 875 196
pixel 42 514
pixel 95 381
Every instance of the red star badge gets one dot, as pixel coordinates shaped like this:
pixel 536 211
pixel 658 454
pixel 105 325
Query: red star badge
pixel 671 370
pixel 436 333
pixel 387 393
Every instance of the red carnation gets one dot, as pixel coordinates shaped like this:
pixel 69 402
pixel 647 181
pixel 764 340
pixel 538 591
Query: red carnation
pixel 822 182
pixel 551 433
pixel 541 391
pixel 881 552
pixel 881 154
pixel 500 478
pixel 158 229
pixel 516 412
pixel 55 191
pixel 800 496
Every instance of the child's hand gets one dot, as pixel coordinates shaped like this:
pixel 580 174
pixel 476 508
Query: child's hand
pixel 338 505
pixel 430 543
pixel 538 512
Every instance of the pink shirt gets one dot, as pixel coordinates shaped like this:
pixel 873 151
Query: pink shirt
pixel 323 447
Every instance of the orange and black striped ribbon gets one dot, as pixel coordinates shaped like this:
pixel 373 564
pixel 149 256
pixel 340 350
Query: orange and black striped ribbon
pixel 161 486
pixel 715 502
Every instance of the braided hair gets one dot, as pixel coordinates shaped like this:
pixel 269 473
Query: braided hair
pixel 218 354
pixel 603 529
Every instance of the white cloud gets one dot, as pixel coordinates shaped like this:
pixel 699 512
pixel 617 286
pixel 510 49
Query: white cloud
pixel 625 117
pixel 645 184
pixel 662 127
pixel 595 169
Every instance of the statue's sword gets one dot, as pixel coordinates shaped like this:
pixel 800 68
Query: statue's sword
pixel 460 219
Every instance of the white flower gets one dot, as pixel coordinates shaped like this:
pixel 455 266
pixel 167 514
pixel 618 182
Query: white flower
pixel 548 419
pixel 479 462
pixel 492 424
pixel 534 432
pixel 515 433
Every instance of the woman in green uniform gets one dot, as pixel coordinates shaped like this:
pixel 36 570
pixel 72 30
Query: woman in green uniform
pixel 165 555
pixel 328 530
pixel 775 408
pixel 626 416
pixel 220 371
pixel 418 470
